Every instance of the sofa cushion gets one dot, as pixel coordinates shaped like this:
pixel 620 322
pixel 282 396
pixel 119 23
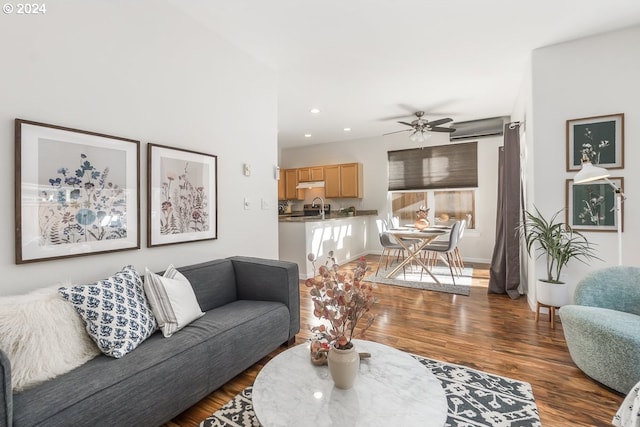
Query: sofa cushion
pixel 171 374
pixel 214 283
pixel 42 336
pixel 115 310
pixel 172 300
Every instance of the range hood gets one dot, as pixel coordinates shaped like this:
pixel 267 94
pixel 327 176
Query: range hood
pixel 310 184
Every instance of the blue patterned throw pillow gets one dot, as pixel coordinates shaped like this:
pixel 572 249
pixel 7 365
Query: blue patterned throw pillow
pixel 116 312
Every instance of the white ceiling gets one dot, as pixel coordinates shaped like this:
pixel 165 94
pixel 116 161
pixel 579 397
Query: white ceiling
pixel 368 63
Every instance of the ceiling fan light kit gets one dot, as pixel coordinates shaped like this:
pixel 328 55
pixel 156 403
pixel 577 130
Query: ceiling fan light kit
pixel 419 136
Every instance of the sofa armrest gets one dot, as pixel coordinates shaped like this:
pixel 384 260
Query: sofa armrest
pixel 6 399
pixel 269 280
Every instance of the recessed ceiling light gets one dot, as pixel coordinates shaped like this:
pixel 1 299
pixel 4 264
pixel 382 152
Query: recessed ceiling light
pixel 307 135
pixel 347 129
pixel 314 110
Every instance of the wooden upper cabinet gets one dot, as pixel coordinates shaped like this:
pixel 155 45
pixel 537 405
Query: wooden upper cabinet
pixel 351 180
pixel 340 181
pixel 314 173
pixel 304 174
pixel 332 181
pixel 290 182
pixel 343 181
pixel 282 188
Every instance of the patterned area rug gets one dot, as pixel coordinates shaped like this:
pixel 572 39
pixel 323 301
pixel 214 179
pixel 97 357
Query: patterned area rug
pixel 475 399
pixel 411 278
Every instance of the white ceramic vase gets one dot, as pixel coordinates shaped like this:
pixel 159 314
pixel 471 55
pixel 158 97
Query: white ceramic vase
pixel 343 366
pixel 553 294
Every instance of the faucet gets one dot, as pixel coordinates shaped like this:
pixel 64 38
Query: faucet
pixel 313 205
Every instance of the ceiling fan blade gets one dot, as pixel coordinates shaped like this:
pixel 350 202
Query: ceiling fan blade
pixel 440 122
pixel 404 116
pixel 437 129
pixel 404 130
pixel 405 123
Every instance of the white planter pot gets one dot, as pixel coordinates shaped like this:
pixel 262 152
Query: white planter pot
pixel 553 294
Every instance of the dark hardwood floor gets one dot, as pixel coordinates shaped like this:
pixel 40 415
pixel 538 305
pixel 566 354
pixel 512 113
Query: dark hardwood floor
pixel 491 333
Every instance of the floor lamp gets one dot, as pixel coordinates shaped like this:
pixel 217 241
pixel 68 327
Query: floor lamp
pixel 589 173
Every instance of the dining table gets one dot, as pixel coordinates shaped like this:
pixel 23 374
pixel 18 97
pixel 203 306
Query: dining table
pixel 413 241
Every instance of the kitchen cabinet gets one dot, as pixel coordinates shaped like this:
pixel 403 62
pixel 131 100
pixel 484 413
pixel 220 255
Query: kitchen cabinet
pixel 343 181
pixel 332 181
pixel 290 183
pixel 351 180
pixel 313 173
pixel 282 188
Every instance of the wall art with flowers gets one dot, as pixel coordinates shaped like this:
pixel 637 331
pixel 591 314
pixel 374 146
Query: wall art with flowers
pixel 77 192
pixel 597 139
pixel 592 206
pixel 181 196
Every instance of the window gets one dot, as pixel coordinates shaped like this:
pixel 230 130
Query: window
pixel 446 206
pixel 443 178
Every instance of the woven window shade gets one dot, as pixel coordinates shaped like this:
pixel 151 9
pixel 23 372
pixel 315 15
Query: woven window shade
pixel 442 166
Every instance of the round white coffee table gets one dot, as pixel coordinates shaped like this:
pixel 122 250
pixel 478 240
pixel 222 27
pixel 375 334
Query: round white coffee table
pixel 392 389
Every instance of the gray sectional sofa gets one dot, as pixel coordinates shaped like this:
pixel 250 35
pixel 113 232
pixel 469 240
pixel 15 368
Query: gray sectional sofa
pixel 251 307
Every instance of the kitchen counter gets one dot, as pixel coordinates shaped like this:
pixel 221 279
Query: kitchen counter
pixel 345 236
pixel 299 217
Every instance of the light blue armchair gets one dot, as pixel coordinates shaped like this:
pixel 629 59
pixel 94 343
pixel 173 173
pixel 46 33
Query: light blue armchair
pixel 602 327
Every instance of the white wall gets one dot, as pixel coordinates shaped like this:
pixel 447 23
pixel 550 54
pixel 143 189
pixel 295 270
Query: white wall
pixel 477 245
pixel 141 70
pixel 588 77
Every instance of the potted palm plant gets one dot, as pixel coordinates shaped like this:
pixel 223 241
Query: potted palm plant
pixel 558 243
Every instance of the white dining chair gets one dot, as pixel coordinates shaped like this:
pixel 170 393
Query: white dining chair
pixel 456 256
pixel 434 250
pixel 389 246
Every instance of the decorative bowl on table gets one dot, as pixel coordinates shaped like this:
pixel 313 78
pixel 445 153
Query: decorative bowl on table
pixel 421 223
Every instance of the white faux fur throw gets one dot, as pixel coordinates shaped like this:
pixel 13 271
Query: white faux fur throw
pixel 43 337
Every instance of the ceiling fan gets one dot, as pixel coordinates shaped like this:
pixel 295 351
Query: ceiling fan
pixel 420 126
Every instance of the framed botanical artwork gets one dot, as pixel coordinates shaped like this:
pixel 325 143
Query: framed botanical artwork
pixel 600 139
pixel 182 196
pixel 592 206
pixel 76 192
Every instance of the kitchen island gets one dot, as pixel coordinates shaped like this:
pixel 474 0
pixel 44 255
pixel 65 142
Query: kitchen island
pixel 346 236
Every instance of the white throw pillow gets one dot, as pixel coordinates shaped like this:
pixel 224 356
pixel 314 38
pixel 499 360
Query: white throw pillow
pixel 42 336
pixel 172 300
pixel 116 312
